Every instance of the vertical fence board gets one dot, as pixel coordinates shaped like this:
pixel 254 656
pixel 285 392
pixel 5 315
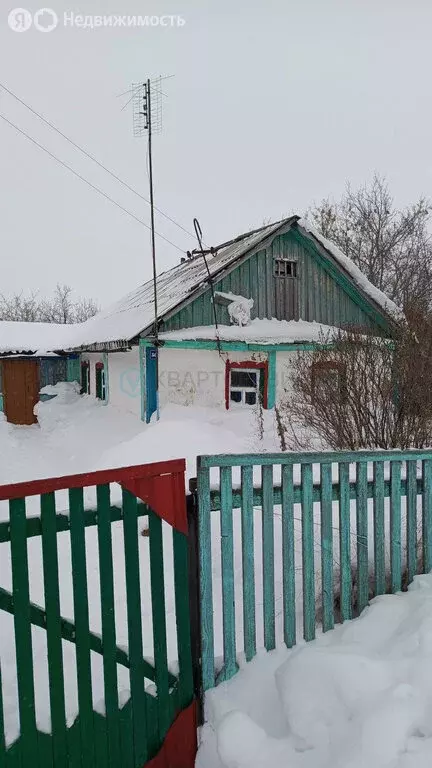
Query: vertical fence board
pixel 248 562
pixel 159 623
pixel 2 725
pixel 108 624
pixel 268 558
pixel 308 553
pixel 362 536
pixel 379 528
pixel 411 513
pixel 23 634
pixel 134 620
pixel 427 515
pixel 227 559
pixel 395 526
pixel 82 630
pixel 288 556
pixel 345 543
pixel 327 547
pixel 206 591
pixel 54 639
pixel 181 575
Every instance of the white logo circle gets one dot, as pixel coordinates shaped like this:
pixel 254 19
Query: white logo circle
pixel 20 20
pixel 45 20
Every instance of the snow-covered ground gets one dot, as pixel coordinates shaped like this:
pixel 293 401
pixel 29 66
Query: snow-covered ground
pixel 357 697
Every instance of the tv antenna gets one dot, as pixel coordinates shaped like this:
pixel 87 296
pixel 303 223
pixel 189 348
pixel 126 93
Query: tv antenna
pixel 146 98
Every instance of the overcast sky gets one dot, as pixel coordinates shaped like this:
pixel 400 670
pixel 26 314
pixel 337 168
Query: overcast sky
pixel 274 105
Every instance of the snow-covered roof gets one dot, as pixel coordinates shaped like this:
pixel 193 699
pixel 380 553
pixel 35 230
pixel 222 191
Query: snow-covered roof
pixel 35 338
pixel 134 314
pixel 257 332
pixel 357 275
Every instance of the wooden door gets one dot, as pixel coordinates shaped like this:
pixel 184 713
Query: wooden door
pixel 20 390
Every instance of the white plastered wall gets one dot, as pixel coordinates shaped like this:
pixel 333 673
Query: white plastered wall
pixel 124 380
pixel 284 366
pixel 196 376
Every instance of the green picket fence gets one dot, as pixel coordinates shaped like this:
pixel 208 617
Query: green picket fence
pixel 387 492
pixel 130 734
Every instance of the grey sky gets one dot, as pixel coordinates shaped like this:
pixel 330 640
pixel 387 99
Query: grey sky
pixel 273 106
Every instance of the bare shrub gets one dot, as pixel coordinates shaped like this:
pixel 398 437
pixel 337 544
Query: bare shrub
pixel 358 391
pixel 391 246
pixel 62 307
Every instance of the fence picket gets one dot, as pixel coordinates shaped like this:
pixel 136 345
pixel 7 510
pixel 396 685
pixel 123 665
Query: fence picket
pixel 395 526
pixel 308 553
pixel 82 629
pixel 134 621
pixel 109 649
pixel 427 515
pixel 157 587
pixel 362 536
pixel 2 725
pixel 379 528
pixel 248 562
pixel 327 547
pixel 53 627
pixel 227 560
pixel 345 543
pixel 23 634
pixel 411 513
pixel 268 558
pixel 181 575
pixel 288 556
pixel 206 589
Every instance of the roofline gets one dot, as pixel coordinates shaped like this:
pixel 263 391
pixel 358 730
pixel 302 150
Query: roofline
pixel 285 224
pixel 376 308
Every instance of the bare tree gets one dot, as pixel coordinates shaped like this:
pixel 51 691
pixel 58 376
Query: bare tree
pixel 358 391
pixel 61 308
pixel 392 247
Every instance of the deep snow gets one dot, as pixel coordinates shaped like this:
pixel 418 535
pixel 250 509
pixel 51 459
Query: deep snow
pixel 357 697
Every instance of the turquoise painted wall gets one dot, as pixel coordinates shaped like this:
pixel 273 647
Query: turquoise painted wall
pixel 320 297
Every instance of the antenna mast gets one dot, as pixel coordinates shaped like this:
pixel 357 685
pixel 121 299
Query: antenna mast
pixel 147 117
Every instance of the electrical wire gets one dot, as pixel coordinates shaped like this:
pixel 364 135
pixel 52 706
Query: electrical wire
pixel 93 158
pixel 86 181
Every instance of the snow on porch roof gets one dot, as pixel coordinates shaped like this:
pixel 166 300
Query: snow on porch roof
pixel 257 332
pixel 134 313
pixel 18 337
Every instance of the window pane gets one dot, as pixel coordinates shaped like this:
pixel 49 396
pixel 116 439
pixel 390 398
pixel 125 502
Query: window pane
pixel 241 378
pixel 236 397
pixel 250 398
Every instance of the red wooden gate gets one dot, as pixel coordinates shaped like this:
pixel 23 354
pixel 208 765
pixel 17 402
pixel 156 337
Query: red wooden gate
pixel 154 723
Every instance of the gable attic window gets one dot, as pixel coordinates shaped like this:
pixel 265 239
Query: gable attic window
pixel 285 268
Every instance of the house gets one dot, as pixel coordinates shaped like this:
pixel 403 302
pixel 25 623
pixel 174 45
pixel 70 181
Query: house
pixel 28 363
pixel 229 324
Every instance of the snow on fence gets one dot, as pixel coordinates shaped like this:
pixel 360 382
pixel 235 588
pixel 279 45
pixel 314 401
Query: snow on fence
pixel 372 499
pixel 96 692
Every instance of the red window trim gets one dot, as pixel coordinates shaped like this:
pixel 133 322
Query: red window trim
pixel 99 365
pixel 328 365
pixel 230 365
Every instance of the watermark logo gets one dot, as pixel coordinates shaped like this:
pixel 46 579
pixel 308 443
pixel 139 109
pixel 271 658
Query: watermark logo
pixel 20 20
pixel 46 20
pixel 130 382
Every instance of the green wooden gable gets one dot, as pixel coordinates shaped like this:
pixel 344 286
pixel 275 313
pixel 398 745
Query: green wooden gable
pixel 323 293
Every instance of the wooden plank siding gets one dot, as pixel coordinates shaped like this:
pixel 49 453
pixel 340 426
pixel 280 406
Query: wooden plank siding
pixel 320 297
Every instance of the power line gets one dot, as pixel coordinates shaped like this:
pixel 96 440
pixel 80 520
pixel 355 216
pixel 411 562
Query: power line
pixel 86 181
pixel 93 158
